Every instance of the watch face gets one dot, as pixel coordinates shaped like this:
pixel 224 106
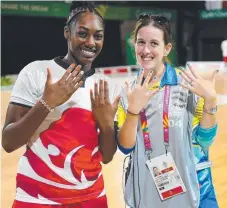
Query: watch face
pixel 214 110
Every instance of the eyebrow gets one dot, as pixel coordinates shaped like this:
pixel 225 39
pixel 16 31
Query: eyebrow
pixel 150 40
pixel 88 29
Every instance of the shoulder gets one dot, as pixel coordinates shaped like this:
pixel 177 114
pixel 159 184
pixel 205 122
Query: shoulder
pixel 177 70
pixel 37 66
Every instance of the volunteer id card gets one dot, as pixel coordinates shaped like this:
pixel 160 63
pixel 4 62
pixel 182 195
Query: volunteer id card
pixel 166 176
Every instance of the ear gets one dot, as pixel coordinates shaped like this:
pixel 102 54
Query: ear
pixel 168 48
pixel 66 32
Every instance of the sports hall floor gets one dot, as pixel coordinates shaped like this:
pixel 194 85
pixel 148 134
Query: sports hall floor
pixel 113 171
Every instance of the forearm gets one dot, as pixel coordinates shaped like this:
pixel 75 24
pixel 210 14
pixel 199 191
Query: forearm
pixel 17 134
pixel 207 129
pixel 127 133
pixel 107 143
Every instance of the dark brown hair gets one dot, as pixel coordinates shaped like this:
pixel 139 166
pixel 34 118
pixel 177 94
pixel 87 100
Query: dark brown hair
pixel 160 22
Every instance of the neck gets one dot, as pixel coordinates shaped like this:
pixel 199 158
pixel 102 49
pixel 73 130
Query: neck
pixel 69 58
pixel 158 72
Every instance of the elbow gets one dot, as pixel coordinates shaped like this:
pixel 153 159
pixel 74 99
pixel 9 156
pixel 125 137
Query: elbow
pixel 123 149
pixel 205 142
pixel 7 148
pixel 107 157
pixel 205 136
pixel 107 160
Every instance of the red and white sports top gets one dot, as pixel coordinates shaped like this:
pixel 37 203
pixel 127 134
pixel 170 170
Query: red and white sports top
pixel 62 162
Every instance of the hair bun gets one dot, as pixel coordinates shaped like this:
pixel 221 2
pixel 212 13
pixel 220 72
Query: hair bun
pixel 83 4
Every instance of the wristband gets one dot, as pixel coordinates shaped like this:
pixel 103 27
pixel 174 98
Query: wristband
pixel 134 114
pixel 46 105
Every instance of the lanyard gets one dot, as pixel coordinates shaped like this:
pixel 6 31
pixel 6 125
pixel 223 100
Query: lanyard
pixel 146 136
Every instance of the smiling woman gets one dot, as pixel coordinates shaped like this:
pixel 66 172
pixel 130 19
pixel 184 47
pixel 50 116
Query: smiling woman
pixel 67 130
pixel 161 119
pixel 84 32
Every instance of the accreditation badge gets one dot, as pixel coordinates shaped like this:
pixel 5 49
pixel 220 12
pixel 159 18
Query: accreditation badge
pixel 166 176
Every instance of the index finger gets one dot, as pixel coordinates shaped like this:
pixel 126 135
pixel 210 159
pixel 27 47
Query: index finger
pixel 193 71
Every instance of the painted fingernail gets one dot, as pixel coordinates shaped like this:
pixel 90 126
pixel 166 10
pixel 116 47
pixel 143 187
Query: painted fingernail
pixel 82 72
pixel 155 77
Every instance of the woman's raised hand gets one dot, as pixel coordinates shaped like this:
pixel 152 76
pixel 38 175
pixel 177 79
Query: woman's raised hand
pixel 138 97
pixel 59 92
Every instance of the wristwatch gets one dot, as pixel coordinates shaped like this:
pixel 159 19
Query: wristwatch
pixel 211 111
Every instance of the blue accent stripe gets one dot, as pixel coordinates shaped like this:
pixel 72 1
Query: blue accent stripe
pixel 205 136
pixel 123 149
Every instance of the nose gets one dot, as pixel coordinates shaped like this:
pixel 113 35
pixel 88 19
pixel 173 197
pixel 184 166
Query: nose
pixel 146 50
pixel 90 42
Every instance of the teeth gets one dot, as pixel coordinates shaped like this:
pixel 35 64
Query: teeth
pixel 88 52
pixel 148 59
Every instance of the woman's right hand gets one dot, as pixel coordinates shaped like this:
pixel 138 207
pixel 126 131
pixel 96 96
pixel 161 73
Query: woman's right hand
pixel 141 94
pixel 59 92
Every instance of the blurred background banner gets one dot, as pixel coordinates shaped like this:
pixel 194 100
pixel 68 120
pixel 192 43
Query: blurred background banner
pixel 33 30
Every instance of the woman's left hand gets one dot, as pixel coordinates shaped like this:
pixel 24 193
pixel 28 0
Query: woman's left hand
pixel 197 85
pixel 103 110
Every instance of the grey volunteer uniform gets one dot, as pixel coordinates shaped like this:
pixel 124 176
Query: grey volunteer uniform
pixel 140 190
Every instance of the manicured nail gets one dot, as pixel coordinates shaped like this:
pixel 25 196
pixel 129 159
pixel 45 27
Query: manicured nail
pixel 155 77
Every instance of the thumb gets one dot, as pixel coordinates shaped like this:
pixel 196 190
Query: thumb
pixel 127 87
pixel 49 76
pixel 214 75
pixel 116 101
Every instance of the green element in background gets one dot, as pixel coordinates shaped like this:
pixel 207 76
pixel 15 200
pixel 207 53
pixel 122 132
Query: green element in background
pixel 6 81
pixel 130 53
pixel 41 8
pixel 172 56
pixel 213 14
pixel 61 9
